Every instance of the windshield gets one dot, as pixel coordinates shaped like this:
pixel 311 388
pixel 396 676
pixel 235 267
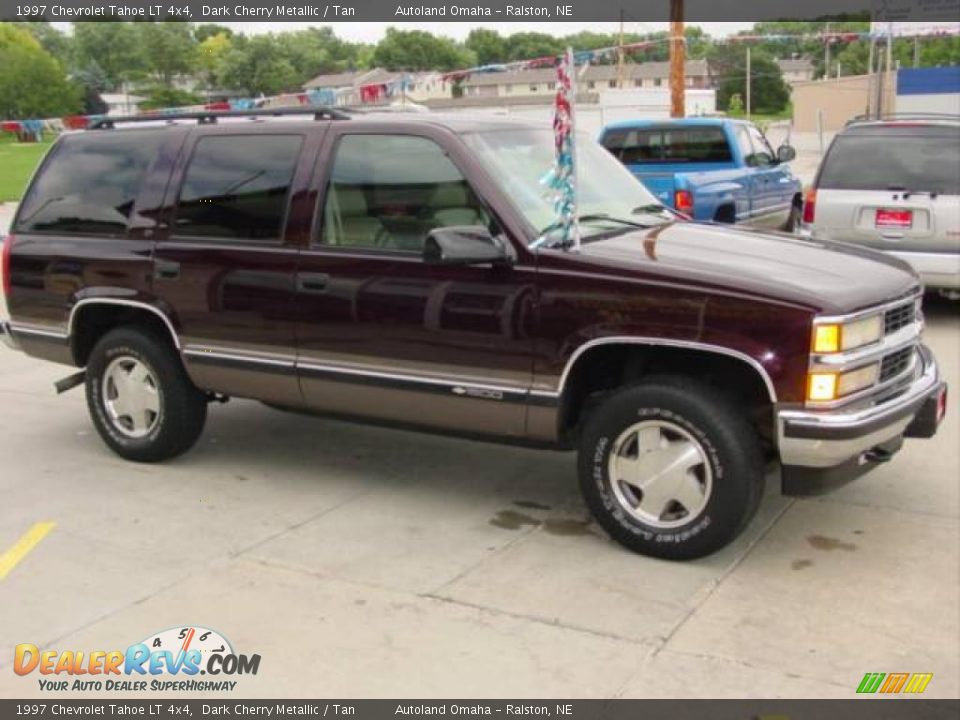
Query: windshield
pixel 609 200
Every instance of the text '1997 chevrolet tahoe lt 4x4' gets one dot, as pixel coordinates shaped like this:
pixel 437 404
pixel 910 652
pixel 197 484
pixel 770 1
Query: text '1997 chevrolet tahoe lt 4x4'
pixel 408 269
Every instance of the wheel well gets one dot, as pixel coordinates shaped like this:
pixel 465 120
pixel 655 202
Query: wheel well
pixel 91 322
pixel 798 200
pixel 605 368
pixel 726 214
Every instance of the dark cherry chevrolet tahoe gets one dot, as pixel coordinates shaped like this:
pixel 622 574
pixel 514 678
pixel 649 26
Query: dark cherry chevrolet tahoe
pixel 408 269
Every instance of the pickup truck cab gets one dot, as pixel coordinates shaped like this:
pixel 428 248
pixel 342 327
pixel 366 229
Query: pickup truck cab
pixel 408 269
pixel 711 169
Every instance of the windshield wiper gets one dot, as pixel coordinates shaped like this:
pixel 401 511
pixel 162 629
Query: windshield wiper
pixel 590 217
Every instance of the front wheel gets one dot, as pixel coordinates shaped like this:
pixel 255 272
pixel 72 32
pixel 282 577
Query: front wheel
pixel 670 468
pixel 140 399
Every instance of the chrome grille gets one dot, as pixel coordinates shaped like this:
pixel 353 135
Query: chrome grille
pixel 899 317
pixel 896 363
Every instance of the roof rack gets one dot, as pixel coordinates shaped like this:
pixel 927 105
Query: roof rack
pixel 210 117
pixel 904 116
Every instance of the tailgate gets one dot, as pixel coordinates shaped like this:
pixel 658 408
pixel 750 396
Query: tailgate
pixel 661 184
pixel 887 220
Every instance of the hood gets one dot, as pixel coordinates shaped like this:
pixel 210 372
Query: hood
pixel 827 276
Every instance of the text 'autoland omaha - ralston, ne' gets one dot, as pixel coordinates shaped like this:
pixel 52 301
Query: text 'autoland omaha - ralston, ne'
pixel 483 11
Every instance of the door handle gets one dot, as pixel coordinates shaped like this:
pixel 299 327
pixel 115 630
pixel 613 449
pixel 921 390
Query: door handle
pixel 166 270
pixel 312 282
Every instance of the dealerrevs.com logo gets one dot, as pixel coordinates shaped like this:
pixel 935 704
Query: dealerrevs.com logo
pixel 170 660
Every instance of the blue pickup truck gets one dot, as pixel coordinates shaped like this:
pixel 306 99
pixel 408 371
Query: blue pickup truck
pixel 711 169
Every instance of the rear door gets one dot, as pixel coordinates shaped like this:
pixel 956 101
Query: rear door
pixel 893 187
pixel 226 260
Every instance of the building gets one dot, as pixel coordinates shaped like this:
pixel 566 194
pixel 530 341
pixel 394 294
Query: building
pixel 929 90
pixel 797 69
pixel 590 78
pixel 346 86
pixel 120 104
pixel 829 103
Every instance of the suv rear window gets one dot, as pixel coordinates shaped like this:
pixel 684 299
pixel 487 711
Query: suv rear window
pixel 236 187
pixel 893 160
pixel 663 145
pixel 89 184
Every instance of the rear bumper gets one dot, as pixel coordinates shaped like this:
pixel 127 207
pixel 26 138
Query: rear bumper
pixel 938 270
pixel 820 450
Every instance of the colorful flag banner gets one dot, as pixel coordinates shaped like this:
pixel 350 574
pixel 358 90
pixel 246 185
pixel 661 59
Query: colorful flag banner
pixel 561 181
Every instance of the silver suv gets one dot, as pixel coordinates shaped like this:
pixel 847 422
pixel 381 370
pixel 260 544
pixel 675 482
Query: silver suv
pixel 894 185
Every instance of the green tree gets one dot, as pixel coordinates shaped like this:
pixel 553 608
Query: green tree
pixel 768 92
pixel 211 54
pixel 114 46
pixel 257 65
pixel 33 84
pixel 419 50
pixel 529 45
pixel 169 47
pixel 207 30
pixel 488 45
pixel 164 96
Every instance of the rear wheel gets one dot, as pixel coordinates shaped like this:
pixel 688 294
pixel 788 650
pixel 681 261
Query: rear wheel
pixel 671 468
pixel 140 399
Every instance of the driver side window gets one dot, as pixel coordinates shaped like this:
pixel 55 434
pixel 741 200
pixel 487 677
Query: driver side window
pixel 386 192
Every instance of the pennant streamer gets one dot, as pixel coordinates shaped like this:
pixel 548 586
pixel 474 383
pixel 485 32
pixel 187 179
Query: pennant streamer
pixel 561 181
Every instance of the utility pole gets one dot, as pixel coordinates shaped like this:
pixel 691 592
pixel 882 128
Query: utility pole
pixel 749 83
pixel 620 54
pixel 887 79
pixel 871 76
pixel 677 61
pixel 916 51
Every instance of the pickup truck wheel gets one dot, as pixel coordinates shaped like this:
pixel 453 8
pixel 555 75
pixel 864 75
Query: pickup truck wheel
pixel 140 398
pixel 670 468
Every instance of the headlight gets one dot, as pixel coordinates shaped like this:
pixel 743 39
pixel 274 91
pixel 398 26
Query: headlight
pixel 839 337
pixel 826 386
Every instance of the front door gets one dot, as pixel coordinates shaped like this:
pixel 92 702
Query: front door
pixel 381 333
pixel 225 267
pixel 772 183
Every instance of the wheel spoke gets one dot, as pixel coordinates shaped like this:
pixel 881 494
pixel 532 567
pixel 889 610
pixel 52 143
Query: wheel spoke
pixel 657 469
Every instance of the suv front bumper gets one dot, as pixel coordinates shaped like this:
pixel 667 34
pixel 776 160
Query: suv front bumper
pixel 820 450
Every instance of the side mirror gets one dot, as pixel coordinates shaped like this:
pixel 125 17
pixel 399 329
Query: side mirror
pixel 463 245
pixel 786 153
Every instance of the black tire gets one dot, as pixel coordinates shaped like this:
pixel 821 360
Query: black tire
pixel 793 221
pixel 182 408
pixel 728 444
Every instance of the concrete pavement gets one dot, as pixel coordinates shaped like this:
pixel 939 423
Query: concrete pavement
pixel 362 561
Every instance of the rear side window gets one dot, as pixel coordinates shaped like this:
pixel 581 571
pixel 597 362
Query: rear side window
pixel 668 145
pixel 893 161
pixel 236 187
pixel 90 183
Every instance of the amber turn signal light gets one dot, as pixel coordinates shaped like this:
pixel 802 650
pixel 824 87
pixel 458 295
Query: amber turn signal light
pixel 822 387
pixel 826 338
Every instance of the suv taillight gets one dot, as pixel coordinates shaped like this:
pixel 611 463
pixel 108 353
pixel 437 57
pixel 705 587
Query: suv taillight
pixel 683 201
pixel 5 264
pixel 810 205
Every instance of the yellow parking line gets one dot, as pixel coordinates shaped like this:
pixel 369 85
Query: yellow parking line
pixel 27 542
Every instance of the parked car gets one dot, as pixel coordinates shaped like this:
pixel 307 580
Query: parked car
pixel 894 185
pixel 409 269
pixel 711 169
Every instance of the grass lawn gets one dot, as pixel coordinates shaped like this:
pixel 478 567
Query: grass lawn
pixel 17 161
